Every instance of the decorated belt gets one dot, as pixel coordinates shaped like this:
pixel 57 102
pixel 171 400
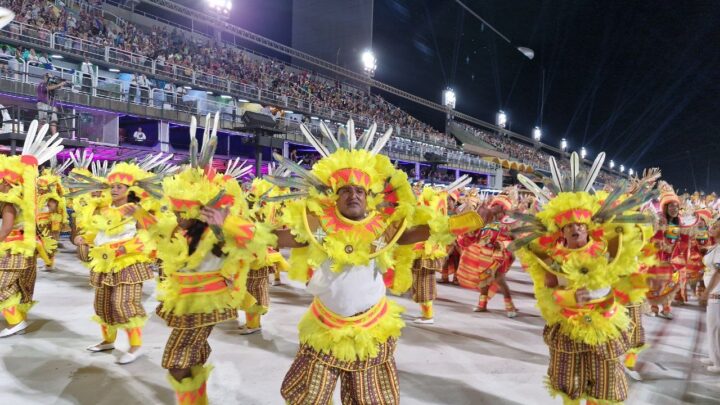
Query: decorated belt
pixel 197 283
pixel 606 306
pixel 334 321
pixel 15 235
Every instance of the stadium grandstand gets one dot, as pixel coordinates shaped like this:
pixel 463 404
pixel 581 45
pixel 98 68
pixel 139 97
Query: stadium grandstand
pixel 152 74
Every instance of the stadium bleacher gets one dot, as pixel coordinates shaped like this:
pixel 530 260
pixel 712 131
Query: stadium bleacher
pixel 167 67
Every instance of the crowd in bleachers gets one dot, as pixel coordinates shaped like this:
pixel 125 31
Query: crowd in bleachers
pixel 523 153
pixel 175 50
pixel 178 49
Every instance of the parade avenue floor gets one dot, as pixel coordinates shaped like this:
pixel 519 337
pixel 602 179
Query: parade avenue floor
pixel 465 358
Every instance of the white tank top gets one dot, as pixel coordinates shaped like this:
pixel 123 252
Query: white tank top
pixel 129 230
pixel 349 292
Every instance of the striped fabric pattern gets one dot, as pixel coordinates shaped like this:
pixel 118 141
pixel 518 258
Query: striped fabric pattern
pixel 579 370
pixel 479 264
pixel 133 274
pixel 313 376
pixel 186 348
pixel 9 284
pixel 116 305
pixel 27 284
pixel 16 262
pixel 83 253
pixel 424 285
pixel 637 332
pixel 191 321
pixel 258 286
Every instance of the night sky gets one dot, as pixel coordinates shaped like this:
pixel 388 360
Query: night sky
pixel 637 79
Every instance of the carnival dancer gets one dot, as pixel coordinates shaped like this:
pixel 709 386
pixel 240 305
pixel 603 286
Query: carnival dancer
pixel 83 206
pixel 18 239
pixel 205 262
pixel 580 255
pixel 664 279
pixel 121 253
pixel 485 258
pixel 430 259
pixel 257 301
pixel 453 258
pixel 687 256
pixel 646 259
pixel 52 208
pixel 350 216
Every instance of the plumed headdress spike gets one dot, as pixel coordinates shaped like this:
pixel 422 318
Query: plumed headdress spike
pixel 237 169
pixel 36 145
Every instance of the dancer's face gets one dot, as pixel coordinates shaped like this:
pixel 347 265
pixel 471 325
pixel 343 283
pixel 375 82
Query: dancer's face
pixel 576 235
pixel 4 186
pixel 352 202
pixel 119 193
pixel 673 209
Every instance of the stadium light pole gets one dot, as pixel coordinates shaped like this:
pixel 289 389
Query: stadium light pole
pixel 221 7
pixel 631 171
pixel 583 152
pixel 449 98
pixel 537 134
pixel 563 145
pixel 612 164
pixel 369 62
pixel 622 169
pixel 501 119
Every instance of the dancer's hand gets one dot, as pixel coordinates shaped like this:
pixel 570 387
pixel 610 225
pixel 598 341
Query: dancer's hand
pixel 128 209
pixel 582 296
pixel 213 216
pixel 79 240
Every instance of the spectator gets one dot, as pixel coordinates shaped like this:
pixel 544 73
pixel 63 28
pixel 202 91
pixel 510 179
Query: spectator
pixel 139 136
pixel 46 97
pixel 87 75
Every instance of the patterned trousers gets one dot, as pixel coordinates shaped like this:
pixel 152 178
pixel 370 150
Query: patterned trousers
pixel 312 378
pixel 116 305
pixel 424 285
pixel 637 332
pixel 257 285
pixel 578 370
pixel 17 275
pixel 186 348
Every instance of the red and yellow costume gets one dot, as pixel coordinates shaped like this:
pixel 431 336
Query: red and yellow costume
pixel 120 254
pixel 664 277
pixel 52 211
pixel 485 257
pixel 586 339
pixel 689 251
pixel 257 301
pixel 351 328
pixel 20 246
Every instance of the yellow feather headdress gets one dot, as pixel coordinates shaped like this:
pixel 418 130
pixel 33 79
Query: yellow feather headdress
pixel 198 185
pixel 21 172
